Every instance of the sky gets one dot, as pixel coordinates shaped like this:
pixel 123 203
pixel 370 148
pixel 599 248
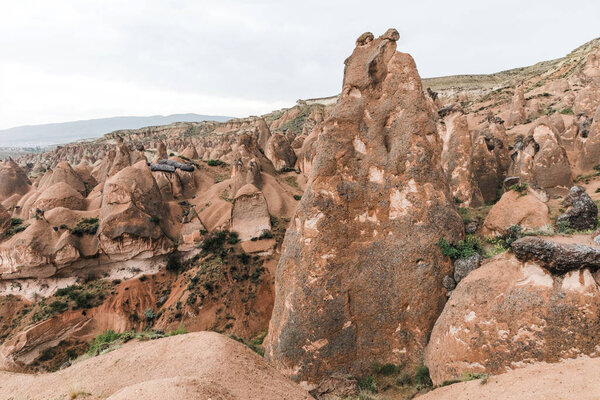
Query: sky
pixel 65 60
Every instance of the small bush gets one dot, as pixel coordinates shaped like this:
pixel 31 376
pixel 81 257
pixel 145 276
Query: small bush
pixel 367 383
pixel 214 242
pixel 215 163
pixel 567 111
pixel 173 264
pixel 233 238
pixel 297 197
pixel 521 188
pixel 149 314
pixel 462 249
pixel 86 225
pixel 16 221
pixel 57 307
pixel 155 219
pixel 422 378
pixel 266 234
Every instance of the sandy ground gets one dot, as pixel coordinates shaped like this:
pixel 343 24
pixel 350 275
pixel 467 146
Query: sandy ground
pixel 569 380
pixel 201 365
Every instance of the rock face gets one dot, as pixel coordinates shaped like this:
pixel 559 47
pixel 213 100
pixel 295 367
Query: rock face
pixel 456 159
pixel 363 236
pixel 280 152
pixel 583 211
pixel 555 257
pixel 13 180
pixel 249 214
pixel 507 314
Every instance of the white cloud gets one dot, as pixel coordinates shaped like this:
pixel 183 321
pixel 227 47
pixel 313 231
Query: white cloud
pixel 72 59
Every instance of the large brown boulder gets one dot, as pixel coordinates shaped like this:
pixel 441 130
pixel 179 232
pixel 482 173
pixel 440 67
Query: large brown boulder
pixel 515 208
pixel 360 276
pixel 508 314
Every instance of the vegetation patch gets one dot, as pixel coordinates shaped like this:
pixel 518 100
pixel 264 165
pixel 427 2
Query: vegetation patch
pixel 111 340
pixel 16 226
pixel 520 188
pixel 462 249
pixel 215 163
pixel 88 226
pixel 254 344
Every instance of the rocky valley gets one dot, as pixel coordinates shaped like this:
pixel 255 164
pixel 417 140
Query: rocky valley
pixel 398 240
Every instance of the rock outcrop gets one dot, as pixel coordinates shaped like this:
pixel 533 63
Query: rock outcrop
pixel 582 211
pixel 456 159
pixel 507 314
pixel 556 257
pixel 363 236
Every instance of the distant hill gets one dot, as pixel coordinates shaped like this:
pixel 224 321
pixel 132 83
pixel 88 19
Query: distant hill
pixel 66 132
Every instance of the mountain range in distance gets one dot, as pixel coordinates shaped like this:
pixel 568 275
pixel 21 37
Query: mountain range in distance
pixel 66 132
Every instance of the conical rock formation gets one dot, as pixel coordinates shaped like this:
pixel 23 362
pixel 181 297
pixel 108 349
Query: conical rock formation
pixel 360 276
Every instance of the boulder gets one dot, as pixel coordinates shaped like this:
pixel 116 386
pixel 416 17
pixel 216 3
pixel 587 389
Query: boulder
pixel 556 257
pixel 363 236
pixel 508 314
pixel 516 208
pixel 464 266
pixel 582 213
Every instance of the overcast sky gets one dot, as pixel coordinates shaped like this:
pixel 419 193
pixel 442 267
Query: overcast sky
pixel 68 60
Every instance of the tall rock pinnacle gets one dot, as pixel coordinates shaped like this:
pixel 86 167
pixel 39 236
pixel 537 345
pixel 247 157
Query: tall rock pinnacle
pixel 360 276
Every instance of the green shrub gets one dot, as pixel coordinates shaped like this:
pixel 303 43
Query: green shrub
pixel 233 238
pixel 297 197
pixel 58 306
pixel 521 188
pixel 215 163
pixel 86 225
pixel 81 298
pixel 567 111
pixel 513 233
pixel 16 221
pixel 422 378
pixel 173 264
pixel 214 242
pixel 266 234
pixel 367 383
pixel 462 249
pixel 149 314
pixel 155 219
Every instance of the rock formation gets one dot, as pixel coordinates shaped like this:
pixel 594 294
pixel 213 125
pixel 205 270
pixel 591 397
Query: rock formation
pixel 508 314
pixel 363 236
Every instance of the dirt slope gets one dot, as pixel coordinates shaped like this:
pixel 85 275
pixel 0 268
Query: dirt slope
pixel 572 379
pixel 192 366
